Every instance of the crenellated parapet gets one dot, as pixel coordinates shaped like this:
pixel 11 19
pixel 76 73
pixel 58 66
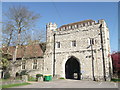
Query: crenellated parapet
pixel 51 26
pixel 77 25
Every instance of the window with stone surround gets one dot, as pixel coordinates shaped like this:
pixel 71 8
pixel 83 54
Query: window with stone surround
pixel 91 41
pixel 57 44
pixel 34 64
pixel 23 64
pixel 73 43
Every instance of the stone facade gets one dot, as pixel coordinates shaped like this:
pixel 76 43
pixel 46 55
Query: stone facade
pixel 29 58
pixel 79 50
pixel 29 67
pixel 87 41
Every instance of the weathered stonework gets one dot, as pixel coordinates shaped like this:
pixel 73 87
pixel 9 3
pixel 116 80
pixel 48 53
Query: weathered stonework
pixel 28 67
pixel 91 51
pixel 56 58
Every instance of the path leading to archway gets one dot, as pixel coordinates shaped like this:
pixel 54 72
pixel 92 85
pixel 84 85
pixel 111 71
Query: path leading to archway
pixel 71 84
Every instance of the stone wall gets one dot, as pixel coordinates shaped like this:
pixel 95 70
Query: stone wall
pixel 88 55
pixel 28 67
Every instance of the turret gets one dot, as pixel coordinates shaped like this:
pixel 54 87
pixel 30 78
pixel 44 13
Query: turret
pixel 51 26
pixel 102 21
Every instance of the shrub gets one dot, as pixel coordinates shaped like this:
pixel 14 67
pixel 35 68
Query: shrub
pixel 6 75
pixel 30 78
pixel 61 78
pixel 39 75
pixel 24 72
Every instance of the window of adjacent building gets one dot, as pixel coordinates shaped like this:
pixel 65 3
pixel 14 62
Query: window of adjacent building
pixel 34 64
pixel 23 64
pixel 57 44
pixel 74 43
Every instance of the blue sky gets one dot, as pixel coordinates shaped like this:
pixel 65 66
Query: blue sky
pixel 69 12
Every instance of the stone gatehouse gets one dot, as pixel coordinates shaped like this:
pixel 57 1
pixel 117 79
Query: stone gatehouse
pixel 77 50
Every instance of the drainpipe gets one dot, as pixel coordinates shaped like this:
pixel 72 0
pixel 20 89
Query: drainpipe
pixel 103 57
pixel 92 61
pixel 54 56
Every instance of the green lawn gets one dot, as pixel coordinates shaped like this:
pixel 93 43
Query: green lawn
pixel 8 79
pixel 13 85
pixel 3 80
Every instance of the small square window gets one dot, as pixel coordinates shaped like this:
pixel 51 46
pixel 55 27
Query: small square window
pixel 74 43
pixel 57 44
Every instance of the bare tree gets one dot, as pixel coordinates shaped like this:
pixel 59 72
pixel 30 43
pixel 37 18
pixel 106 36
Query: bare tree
pixel 18 20
pixel 17 23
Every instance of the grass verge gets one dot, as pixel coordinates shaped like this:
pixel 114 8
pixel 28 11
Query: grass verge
pixel 4 80
pixel 13 85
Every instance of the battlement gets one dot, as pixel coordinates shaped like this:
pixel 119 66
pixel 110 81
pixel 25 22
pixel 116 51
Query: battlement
pixel 51 26
pixel 76 25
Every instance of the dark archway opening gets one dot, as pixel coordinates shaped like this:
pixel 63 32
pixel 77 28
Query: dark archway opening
pixel 72 69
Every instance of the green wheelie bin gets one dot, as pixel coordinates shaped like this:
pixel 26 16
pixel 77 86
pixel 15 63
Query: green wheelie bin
pixel 47 78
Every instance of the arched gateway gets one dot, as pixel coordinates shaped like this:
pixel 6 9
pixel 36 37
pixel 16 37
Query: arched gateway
pixel 72 68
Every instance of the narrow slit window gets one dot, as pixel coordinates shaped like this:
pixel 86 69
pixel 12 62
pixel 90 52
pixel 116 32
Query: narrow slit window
pixel 91 41
pixel 74 43
pixel 57 44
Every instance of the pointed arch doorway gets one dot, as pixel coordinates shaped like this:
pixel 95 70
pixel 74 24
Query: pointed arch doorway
pixel 72 69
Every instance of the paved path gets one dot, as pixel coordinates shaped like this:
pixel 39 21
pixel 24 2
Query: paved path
pixel 71 84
